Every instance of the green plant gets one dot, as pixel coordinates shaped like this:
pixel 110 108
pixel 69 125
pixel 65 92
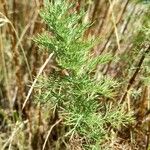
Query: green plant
pixel 74 90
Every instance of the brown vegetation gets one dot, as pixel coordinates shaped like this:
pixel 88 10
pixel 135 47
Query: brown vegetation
pixel 116 22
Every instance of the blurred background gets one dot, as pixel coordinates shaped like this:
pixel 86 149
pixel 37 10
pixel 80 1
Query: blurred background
pixel 118 23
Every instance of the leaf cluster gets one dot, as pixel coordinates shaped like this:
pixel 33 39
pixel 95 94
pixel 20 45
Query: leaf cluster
pixel 76 95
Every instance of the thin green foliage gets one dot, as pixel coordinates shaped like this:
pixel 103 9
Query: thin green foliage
pixel 76 94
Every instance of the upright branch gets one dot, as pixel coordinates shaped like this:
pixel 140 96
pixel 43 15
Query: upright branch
pixel 72 89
